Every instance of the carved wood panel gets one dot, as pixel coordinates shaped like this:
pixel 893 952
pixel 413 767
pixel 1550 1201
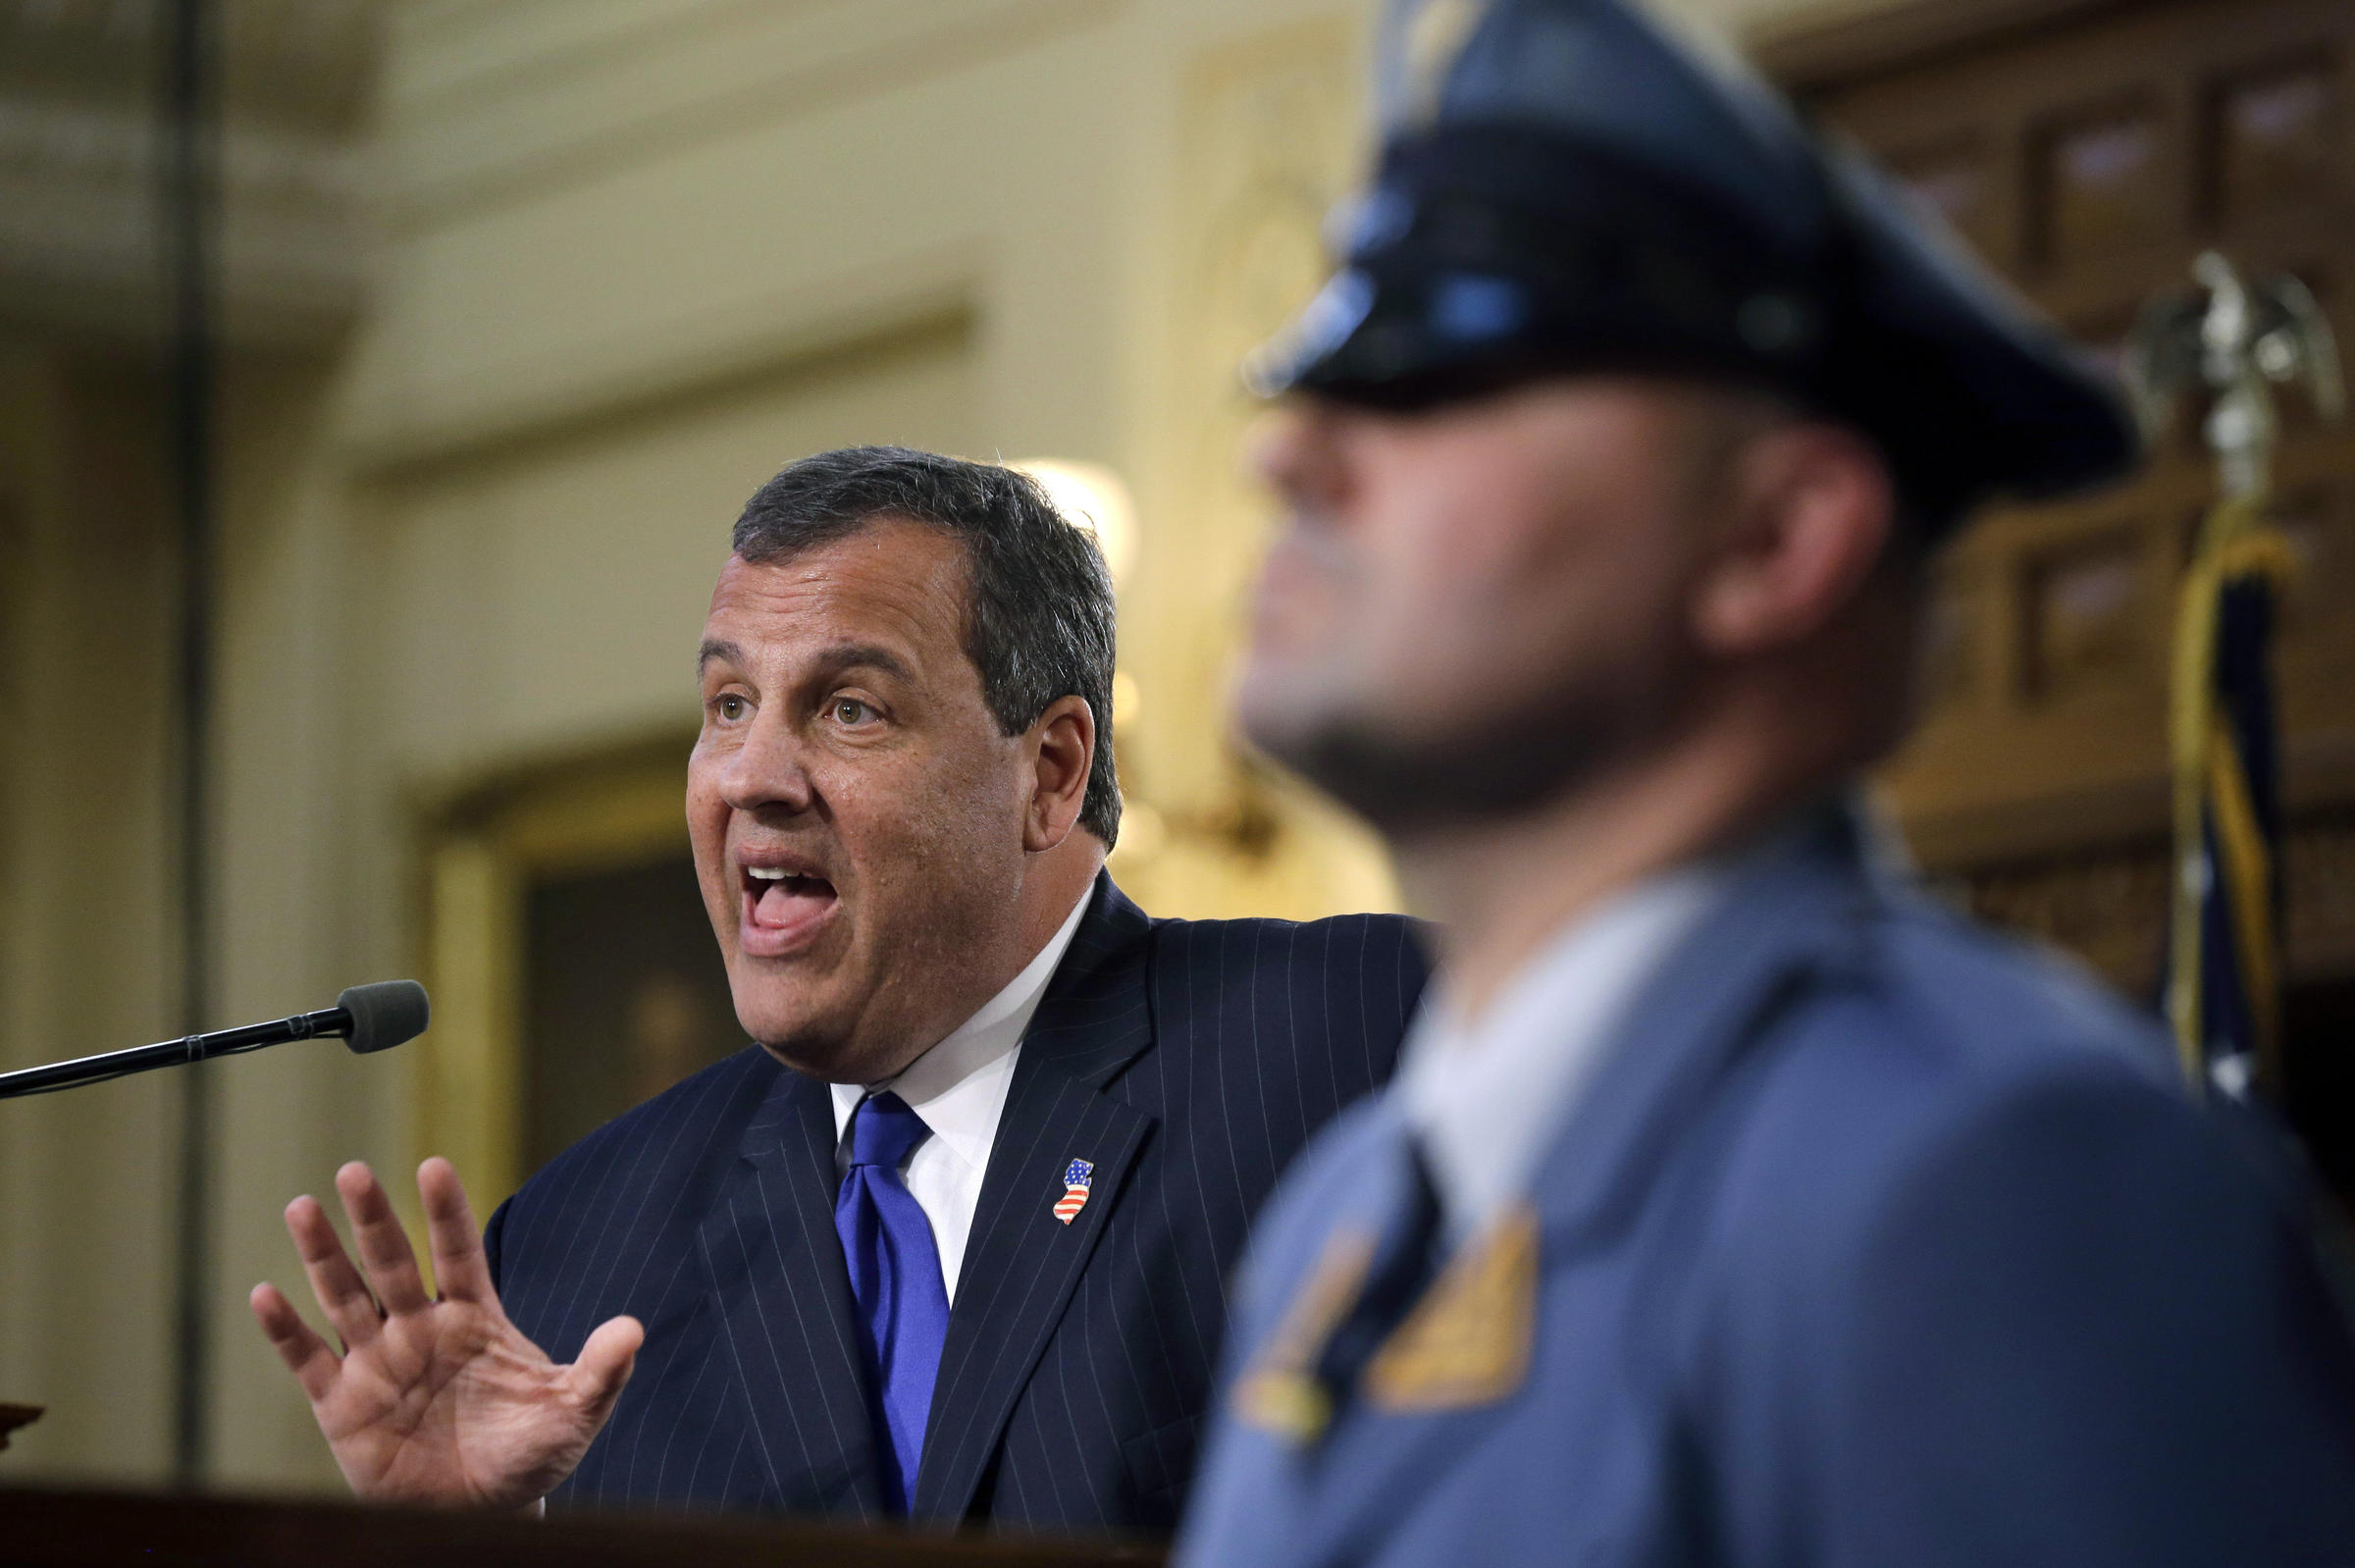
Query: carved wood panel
pixel 2107 904
pixel 2090 161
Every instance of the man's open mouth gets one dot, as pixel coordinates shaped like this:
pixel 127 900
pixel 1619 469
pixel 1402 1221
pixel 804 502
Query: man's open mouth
pixel 784 908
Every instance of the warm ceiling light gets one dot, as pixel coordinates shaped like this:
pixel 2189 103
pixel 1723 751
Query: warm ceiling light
pixel 1092 496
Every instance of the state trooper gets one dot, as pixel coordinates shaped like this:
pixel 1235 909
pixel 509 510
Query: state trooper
pixel 1734 1205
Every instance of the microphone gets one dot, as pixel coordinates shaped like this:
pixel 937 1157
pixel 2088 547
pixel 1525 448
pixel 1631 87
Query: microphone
pixel 366 1017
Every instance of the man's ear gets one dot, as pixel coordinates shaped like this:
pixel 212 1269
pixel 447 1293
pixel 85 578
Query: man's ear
pixel 1810 510
pixel 1062 751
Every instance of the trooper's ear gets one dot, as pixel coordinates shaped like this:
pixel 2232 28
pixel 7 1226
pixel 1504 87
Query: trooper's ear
pixel 1062 747
pixel 1807 512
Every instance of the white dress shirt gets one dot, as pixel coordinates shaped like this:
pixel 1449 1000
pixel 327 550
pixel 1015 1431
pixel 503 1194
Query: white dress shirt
pixel 1486 1095
pixel 957 1089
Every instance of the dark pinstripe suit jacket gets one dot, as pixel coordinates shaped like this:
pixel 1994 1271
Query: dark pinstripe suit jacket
pixel 1189 1061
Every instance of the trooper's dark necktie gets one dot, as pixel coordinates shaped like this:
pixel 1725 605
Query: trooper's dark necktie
pixel 1404 1261
pixel 1389 1318
pixel 895 1276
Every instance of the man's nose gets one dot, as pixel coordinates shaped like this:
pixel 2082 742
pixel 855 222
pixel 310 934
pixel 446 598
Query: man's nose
pixel 768 772
pixel 1293 449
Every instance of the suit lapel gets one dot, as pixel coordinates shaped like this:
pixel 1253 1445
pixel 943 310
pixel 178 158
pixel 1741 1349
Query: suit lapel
pixel 1022 1263
pixel 783 1301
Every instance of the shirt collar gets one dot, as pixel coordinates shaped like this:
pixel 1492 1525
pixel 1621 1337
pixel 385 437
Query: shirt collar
pixel 949 1087
pixel 1486 1095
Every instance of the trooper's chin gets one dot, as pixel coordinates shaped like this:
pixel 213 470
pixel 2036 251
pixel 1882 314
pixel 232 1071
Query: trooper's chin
pixel 1404 783
pixel 1389 782
pixel 1343 753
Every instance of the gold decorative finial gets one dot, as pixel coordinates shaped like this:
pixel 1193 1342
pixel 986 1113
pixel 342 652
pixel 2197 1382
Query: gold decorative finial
pixel 2239 339
pixel 2236 341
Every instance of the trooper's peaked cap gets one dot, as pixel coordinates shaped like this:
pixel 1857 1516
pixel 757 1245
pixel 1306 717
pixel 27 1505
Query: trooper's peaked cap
pixel 1565 186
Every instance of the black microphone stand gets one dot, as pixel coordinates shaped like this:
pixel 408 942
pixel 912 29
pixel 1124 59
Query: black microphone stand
pixel 333 1020
pixel 368 1018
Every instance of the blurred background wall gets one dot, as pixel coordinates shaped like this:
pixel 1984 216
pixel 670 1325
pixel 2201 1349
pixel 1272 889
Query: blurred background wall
pixel 523 297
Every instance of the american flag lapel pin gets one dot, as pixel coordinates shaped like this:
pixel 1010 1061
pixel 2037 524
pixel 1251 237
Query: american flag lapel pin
pixel 1077 1178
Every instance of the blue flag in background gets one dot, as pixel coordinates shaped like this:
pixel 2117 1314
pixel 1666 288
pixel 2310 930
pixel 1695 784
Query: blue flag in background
pixel 2225 952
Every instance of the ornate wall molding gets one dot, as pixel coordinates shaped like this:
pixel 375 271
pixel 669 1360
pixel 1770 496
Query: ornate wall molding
pixel 611 370
pixel 79 157
pixel 1271 136
pixel 505 103
pixel 304 61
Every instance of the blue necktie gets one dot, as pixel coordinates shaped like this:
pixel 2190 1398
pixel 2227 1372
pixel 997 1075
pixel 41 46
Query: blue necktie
pixel 895 1275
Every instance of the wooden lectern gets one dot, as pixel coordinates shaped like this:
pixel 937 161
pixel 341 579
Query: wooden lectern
pixel 101 1530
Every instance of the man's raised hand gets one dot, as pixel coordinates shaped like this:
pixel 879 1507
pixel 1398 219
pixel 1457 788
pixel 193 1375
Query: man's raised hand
pixel 433 1400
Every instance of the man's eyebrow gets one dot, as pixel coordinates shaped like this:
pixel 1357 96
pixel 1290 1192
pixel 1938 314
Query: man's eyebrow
pixel 862 656
pixel 832 661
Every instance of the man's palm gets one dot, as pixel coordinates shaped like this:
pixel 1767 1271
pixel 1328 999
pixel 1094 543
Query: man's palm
pixel 434 1402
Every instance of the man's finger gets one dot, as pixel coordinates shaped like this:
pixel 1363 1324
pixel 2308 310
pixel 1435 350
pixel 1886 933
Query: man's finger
pixel 460 1270
pixel 305 1354
pixel 604 1365
pixel 383 1246
pixel 343 1294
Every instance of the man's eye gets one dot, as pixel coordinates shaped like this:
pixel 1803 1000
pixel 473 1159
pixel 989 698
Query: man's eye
pixel 730 708
pixel 851 710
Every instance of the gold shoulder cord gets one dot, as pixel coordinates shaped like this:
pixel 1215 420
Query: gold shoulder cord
pixel 1468 1341
pixel 1466 1344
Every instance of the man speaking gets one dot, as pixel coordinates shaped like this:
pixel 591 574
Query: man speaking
pixel 951 1241
pixel 1734 1205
